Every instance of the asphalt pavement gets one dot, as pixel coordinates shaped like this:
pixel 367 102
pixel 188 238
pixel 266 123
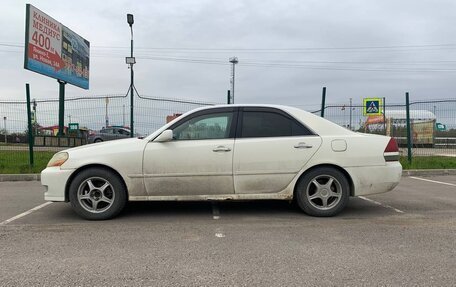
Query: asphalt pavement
pixel 406 237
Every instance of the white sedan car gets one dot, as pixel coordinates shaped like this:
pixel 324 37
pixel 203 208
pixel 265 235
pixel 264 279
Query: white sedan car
pixel 231 152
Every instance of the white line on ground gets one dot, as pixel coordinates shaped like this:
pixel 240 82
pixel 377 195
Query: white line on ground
pixel 25 213
pixel 215 211
pixel 219 233
pixel 433 181
pixel 216 215
pixel 381 204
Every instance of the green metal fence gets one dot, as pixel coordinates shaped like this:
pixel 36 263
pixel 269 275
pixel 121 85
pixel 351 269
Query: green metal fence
pixel 433 125
pixel 82 115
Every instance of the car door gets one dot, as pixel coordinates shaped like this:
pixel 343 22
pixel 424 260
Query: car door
pixel 108 134
pixel 198 161
pixel 115 134
pixel 124 133
pixel 271 147
pixel 118 133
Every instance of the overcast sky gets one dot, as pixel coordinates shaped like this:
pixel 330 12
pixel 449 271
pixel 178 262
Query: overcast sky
pixel 287 50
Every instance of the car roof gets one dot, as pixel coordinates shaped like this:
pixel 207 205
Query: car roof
pixel 319 125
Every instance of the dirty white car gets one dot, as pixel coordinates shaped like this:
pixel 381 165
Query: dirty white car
pixel 232 152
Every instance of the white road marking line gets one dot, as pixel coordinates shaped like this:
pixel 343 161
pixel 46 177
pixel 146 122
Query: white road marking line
pixel 381 204
pixel 215 211
pixel 216 215
pixel 433 181
pixel 25 213
pixel 219 233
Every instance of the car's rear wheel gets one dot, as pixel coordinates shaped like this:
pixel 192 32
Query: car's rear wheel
pixel 97 194
pixel 98 140
pixel 324 191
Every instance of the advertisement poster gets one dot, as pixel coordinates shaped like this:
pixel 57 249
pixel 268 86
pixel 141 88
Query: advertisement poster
pixel 54 50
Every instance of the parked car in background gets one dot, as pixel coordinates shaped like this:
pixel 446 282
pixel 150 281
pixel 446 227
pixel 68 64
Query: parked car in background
pixel 230 152
pixel 108 134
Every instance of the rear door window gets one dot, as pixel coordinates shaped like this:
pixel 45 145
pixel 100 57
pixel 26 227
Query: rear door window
pixel 270 124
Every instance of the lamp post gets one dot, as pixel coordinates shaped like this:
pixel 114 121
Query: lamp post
pixel 131 61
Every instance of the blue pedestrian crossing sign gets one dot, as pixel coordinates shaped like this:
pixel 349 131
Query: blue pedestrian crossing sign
pixel 372 106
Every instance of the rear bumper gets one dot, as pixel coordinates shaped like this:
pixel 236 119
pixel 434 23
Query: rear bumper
pixel 375 179
pixel 54 180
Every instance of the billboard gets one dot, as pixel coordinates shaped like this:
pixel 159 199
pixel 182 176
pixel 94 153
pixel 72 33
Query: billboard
pixel 54 50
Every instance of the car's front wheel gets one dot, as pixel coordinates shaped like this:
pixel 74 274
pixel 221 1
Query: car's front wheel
pixel 97 194
pixel 324 191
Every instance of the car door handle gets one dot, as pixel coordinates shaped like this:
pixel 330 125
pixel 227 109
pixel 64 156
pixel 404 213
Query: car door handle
pixel 221 149
pixel 302 145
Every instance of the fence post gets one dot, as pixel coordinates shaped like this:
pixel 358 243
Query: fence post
pixel 384 116
pixel 409 133
pixel 323 99
pixel 61 107
pixel 29 124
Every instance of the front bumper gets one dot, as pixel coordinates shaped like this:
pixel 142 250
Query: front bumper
pixel 375 179
pixel 54 180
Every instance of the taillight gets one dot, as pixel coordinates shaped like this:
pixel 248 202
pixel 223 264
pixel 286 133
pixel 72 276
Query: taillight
pixel 391 152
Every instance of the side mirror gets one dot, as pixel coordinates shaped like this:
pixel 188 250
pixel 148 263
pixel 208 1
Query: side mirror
pixel 165 136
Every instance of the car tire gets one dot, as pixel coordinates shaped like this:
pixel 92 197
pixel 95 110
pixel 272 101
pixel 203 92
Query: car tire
pixel 98 141
pixel 323 192
pixel 97 194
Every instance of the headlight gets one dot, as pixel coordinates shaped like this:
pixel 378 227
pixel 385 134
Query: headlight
pixel 58 159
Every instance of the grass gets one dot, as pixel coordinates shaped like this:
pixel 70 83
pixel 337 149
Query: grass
pixel 12 162
pixel 429 162
pixel 15 162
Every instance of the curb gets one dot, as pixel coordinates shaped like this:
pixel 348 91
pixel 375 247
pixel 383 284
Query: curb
pixel 20 177
pixel 409 172
pixel 428 172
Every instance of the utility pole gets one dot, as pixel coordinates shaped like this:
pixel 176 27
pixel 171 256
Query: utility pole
pixel 131 61
pixel 233 61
